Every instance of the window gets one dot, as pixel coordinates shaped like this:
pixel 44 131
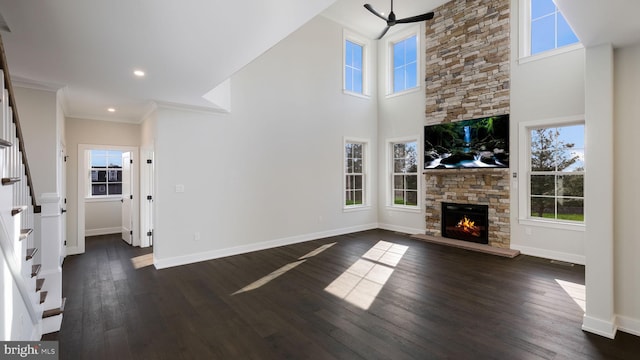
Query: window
pixel 548 29
pixel 404 174
pixel 355 173
pixel 556 173
pixel 404 64
pixel 355 64
pixel 353 67
pixel 106 172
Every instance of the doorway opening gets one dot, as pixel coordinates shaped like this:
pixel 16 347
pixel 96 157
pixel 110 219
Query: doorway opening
pixel 108 188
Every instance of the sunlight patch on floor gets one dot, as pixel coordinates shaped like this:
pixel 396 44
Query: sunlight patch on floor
pixel 361 283
pixel 575 291
pixel 316 251
pixel 142 261
pixel 265 279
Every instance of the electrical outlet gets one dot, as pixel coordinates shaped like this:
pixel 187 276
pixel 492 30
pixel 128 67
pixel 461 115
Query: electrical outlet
pixel 179 188
pixel 196 236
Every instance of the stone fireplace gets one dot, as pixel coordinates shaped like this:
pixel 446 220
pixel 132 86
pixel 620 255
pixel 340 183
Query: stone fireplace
pixel 472 187
pixel 467 76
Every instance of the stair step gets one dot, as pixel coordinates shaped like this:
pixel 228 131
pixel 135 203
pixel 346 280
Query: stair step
pixel 10 180
pixel 4 143
pixel 24 233
pixel 31 253
pixel 55 311
pixel 17 210
pixel 39 284
pixel 43 296
pixel 35 269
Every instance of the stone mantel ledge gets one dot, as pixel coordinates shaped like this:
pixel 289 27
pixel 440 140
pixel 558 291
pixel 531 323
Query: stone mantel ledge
pixel 479 171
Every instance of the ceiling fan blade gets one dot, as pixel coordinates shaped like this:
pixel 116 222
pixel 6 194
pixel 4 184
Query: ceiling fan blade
pixel 384 32
pixel 423 17
pixel 374 12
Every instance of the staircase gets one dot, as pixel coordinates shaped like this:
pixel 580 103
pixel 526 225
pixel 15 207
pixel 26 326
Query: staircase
pixel 31 250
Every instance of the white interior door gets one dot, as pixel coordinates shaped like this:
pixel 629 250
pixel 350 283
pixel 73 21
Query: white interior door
pixel 127 198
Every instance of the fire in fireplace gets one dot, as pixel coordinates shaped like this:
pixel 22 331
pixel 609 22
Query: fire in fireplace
pixel 465 222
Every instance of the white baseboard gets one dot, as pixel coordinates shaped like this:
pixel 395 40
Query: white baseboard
pixel 628 325
pixel 74 250
pixel 550 254
pixel 600 327
pixel 402 229
pixel 102 231
pixel 236 250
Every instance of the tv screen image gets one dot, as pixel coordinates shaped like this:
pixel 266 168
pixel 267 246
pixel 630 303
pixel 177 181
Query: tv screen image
pixel 476 143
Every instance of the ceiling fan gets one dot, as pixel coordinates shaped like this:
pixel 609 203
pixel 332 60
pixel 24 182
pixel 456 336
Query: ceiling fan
pixel 391 20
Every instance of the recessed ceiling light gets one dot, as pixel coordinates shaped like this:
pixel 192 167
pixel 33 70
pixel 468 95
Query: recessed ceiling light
pixel 138 73
pixel 111 110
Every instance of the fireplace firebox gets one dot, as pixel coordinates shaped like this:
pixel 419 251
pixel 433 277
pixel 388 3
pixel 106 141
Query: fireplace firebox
pixel 466 222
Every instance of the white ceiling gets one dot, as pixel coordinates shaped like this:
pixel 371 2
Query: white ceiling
pixel 188 47
pixel 597 22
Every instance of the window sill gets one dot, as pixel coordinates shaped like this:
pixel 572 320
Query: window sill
pixel 354 208
pixel 405 92
pixel 550 53
pixel 552 224
pixel 355 94
pixel 102 199
pixel 409 209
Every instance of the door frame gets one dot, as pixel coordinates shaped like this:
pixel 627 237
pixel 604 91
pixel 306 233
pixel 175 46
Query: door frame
pixel 83 173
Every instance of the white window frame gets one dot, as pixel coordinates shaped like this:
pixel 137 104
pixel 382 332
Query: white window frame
pixel 366 181
pixel 89 190
pixel 524 43
pixel 524 184
pixel 348 35
pixel 394 38
pixel 390 173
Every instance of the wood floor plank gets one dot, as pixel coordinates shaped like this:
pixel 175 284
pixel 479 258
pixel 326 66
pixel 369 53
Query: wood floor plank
pixel 434 303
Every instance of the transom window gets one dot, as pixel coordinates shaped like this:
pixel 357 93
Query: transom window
pixel 355 182
pixel 548 28
pixel 556 173
pixel 106 172
pixel 404 174
pixel 405 64
pixel 353 75
pixel 355 64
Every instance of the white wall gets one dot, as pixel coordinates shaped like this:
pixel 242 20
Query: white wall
pixel 626 192
pixel 399 116
pixel 37 110
pixel 270 172
pixel 102 217
pixel 83 131
pixel 544 89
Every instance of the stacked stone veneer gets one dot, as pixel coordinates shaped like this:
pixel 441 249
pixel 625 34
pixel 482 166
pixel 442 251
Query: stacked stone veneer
pixel 467 77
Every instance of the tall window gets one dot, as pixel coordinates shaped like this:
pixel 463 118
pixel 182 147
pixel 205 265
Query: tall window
pixel 353 67
pixel 404 173
pixel 549 29
pixel 405 64
pixel 355 172
pixel 557 173
pixel 106 172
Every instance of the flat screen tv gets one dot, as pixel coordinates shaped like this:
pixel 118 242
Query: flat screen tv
pixel 476 143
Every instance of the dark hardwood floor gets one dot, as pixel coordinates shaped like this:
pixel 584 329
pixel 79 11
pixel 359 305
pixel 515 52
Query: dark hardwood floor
pixel 437 303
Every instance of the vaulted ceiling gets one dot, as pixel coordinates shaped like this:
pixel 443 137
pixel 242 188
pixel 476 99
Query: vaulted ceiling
pixel 187 48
